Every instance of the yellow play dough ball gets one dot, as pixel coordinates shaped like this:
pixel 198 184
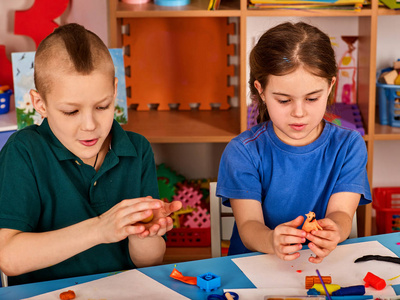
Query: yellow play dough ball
pixel 148 219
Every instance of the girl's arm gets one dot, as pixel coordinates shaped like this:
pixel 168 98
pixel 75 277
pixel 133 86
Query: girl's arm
pixel 285 240
pixel 336 225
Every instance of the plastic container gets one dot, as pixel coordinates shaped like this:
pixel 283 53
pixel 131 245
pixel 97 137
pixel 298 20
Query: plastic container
pixel 389 103
pixel 5 101
pixel 135 1
pixel 172 2
pixel 386 202
pixel 189 237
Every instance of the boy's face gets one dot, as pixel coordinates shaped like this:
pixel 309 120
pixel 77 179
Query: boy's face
pixel 80 111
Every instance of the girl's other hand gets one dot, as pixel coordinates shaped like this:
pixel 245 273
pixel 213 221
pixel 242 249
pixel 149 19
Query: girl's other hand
pixel 323 242
pixel 288 239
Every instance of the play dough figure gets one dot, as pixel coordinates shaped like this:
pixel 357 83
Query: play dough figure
pixel 311 223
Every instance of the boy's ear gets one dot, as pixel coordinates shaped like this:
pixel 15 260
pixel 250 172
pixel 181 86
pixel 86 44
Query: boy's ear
pixel 38 103
pixel 115 87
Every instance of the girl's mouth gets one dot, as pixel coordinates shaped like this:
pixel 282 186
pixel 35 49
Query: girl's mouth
pixel 297 127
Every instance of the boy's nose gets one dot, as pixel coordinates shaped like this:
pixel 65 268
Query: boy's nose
pixel 88 122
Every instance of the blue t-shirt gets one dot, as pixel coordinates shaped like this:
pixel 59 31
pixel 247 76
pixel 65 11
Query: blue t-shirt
pixel 290 181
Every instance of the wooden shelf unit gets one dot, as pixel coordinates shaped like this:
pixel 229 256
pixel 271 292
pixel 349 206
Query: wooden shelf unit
pixel 221 126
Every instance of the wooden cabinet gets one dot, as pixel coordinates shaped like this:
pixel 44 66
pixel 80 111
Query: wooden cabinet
pixel 221 126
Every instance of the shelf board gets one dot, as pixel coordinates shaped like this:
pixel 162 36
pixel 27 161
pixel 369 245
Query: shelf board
pixel 388 12
pixel 204 126
pixel 309 12
pixel 196 8
pixel 384 132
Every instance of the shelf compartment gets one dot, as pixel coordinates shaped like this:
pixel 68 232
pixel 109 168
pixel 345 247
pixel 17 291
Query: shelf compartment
pixel 213 126
pixel 165 68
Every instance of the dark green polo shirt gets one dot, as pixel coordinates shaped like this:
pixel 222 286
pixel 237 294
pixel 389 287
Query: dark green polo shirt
pixel 43 187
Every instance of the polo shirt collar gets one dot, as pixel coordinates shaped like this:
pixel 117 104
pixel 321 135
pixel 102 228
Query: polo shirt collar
pixel 120 143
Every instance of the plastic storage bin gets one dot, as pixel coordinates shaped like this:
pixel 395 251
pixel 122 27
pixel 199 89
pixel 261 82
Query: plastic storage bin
pixel 386 202
pixel 189 237
pixel 5 101
pixel 389 103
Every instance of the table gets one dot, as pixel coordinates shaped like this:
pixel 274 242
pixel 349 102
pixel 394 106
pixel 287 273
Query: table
pixel 231 276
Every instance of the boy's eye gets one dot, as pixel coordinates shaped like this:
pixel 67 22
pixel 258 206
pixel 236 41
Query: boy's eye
pixel 70 113
pixel 103 107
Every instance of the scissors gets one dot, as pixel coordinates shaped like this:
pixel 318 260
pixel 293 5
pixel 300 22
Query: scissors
pixel 225 296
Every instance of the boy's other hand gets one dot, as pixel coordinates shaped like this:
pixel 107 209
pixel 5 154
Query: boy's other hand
pixel 161 222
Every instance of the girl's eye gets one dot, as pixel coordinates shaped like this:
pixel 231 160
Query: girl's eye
pixel 312 99
pixel 283 101
pixel 70 113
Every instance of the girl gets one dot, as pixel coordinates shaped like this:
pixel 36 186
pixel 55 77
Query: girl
pixel 293 161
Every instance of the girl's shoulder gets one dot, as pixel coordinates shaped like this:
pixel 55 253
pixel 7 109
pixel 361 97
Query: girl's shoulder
pixel 253 134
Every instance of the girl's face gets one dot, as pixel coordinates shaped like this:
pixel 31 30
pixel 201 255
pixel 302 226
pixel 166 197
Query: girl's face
pixel 296 104
pixel 80 111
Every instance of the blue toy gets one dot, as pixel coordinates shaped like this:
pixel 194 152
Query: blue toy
pixel 208 281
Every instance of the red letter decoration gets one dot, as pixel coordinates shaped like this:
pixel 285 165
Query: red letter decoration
pixel 37 22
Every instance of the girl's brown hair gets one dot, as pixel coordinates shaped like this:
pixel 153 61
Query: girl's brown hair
pixel 282 49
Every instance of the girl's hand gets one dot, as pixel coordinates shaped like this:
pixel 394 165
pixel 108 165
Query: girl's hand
pixel 287 239
pixel 161 222
pixel 323 242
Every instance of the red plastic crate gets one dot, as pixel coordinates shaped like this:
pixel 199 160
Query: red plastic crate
pixel 386 201
pixel 189 237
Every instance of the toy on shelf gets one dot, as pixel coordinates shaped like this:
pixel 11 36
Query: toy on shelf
pixel 345 115
pixel 5 94
pixel 388 92
pixel 192 222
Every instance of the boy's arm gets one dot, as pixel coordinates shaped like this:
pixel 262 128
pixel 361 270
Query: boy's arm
pixel 148 248
pixel 22 252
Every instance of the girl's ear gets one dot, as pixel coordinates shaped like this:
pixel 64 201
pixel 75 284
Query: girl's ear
pixel 258 86
pixel 332 84
pixel 38 103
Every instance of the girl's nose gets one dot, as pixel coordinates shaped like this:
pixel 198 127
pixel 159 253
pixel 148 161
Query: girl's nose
pixel 297 109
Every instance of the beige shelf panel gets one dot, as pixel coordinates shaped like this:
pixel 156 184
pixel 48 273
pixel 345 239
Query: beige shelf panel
pixel 214 126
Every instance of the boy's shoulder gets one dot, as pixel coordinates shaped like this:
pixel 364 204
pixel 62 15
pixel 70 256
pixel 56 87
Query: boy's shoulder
pixel 26 135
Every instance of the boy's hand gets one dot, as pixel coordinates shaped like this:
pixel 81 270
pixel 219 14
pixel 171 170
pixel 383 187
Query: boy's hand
pixel 288 239
pixel 323 242
pixel 123 219
pixel 161 222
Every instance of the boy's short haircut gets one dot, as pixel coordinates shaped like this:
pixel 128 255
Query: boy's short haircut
pixel 70 48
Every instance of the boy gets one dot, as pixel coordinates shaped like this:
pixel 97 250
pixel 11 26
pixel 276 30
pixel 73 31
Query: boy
pixel 74 190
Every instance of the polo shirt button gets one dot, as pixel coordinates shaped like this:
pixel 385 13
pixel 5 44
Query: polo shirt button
pixel 95 183
pixel 77 162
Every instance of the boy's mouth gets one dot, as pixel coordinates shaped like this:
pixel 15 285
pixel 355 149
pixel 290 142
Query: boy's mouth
pixel 88 143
